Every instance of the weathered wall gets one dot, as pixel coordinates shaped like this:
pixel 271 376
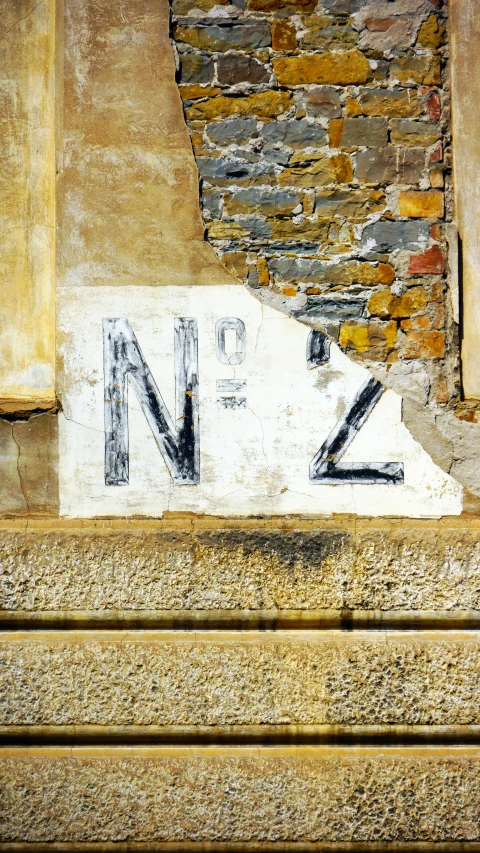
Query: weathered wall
pixel 322 135
pixel 127 190
pixel 319 131
pixel 27 216
pixel 263 709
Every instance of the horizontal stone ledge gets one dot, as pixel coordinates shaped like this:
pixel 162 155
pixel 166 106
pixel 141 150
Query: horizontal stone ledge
pixel 297 566
pixel 328 678
pixel 240 847
pixel 247 797
pixel 245 620
pixel 238 735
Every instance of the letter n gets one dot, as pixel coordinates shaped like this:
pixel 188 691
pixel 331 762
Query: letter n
pixel 123 361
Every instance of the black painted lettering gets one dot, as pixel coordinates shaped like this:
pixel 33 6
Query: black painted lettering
pixel 241 340
pixel 123 361
pixel 318 349
pixel 324 468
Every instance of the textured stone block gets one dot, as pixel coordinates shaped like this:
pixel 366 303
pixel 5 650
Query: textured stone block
pixel 196 68
pixel 224 35
pixel 356 132
pixel 323 31
pixel 295 134
pixel 236 68
pixel 339 69
pixel 390 102
pixel 352 204
pixel 343 7
pixel 323 102
pixel 332 309
pixel 284 35
pixel 431 262
pixel 385 305
pixel 346 274
pixel 389 236
pixel 417 69
pixel 220 169
pixel 241 796
pixel 247 228
pixel 230 571
pixel 212 204
pixel 431 33
pixel 390 165
pixel 169 679
pixel 428 344
pixel 264 105
pixel 284 7
pixel 364 338
pixel 418 204
pixel 320 172
pixel 418 133
pixel 232 130
pixel 269 202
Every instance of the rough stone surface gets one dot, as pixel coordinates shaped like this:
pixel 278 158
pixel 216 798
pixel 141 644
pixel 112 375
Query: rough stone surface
pixel 421 204
pixel 295 134
pixel 390 165
pixel 377 568
pixel 325 678
pixel 339 69
pixel 232 130
pixel 243 795
pixel 368 77
pixel 390 102
pixel 233 69
pixel 356 132
pixel 404 235
pixel 225 35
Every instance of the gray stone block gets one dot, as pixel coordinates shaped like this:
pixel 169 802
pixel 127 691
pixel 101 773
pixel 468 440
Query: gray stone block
pixel 295 134
pixel 390 165
pixel 215 169
pixel 344 7
pixel 237 68
pixel 369 132
pixel 332 308
pixel 388 236
pixel 196 68
pixel 231 130
pixel 323 102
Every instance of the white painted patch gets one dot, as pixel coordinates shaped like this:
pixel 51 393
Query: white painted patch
pixel 254 457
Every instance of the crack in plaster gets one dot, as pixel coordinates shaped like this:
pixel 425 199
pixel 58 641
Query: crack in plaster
pixel 19 21
pixel 19 451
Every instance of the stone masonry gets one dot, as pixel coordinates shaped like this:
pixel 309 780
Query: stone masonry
pixel 320 131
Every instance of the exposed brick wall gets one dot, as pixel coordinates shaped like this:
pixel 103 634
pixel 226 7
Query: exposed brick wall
pixel 320 131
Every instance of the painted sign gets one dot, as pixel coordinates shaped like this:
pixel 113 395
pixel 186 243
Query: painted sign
pixel 205 400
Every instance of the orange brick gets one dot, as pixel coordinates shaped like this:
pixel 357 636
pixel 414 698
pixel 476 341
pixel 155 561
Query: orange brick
pixel 418 204
pixel 442 392
pixel 425 345
pixel 353 107
pixel 284 35
pixel 194 91
pixel 430 262
pixel 263 273
pixel 335 130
